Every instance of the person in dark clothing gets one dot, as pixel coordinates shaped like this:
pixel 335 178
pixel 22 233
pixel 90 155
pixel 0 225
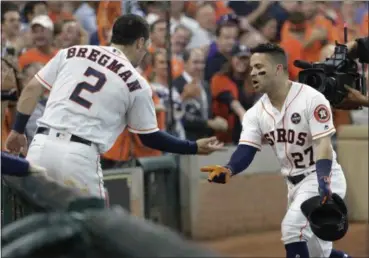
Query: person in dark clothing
pixel 252 10
pixel 358 48
pixel 231 96
pixel 227 34
pixel 195 93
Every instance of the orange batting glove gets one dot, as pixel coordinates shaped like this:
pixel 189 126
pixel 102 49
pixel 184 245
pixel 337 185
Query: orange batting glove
pixel 217 174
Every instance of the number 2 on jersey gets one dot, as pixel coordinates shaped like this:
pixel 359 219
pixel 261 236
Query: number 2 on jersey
pixel 101 80
pixel 299 158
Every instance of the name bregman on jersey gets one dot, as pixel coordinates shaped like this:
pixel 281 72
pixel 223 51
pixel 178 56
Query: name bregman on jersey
pixel 107 61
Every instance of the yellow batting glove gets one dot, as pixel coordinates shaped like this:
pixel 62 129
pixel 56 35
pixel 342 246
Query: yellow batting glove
pixel 217 174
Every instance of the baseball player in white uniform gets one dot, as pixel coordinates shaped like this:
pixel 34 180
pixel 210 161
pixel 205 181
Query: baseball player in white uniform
pixel 296 121
pixel 95 92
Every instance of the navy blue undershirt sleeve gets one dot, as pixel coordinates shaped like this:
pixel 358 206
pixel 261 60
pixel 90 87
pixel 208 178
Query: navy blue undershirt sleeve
pixel 13 165
pixel 241 158
pixel 163 141
pixel 20 123
pixel 323 167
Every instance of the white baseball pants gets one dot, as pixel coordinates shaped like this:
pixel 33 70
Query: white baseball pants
pixel 295 227
pixel 69 163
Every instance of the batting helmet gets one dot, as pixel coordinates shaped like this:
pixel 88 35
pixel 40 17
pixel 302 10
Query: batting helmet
pixel 328 221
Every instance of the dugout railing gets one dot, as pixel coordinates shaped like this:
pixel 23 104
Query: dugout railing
pixel 22 196
pixel 160 183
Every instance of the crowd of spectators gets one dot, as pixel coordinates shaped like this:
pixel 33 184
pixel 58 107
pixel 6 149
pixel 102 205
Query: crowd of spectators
pixel 210 45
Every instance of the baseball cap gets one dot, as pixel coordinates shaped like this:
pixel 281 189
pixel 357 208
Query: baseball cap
pixel 44 21
pixel 240 50
pixel 228 19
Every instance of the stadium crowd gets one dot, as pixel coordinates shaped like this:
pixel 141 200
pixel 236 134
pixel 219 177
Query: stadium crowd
pixel 210 45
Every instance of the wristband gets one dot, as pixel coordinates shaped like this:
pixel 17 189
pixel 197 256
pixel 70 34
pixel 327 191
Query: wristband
pixel 323 168
pixel 21 121
pixel 9 95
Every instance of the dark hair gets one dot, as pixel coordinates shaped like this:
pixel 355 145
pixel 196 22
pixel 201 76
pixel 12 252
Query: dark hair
pixel 227 70
pixel 58 25
pixel 226 25
pixel 296 17
pixel 261 21
pixel 153 25
pixel 29 8
pixel 274 51
pixel 186 55
pixel 129 28
pixel 7 7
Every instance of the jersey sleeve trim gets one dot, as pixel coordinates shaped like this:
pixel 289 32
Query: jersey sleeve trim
pixel 43 82
pixel 143 131
pixel 323 134
pixel 253 144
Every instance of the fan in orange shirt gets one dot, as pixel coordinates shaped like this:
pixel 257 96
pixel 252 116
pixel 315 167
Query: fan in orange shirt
pixel 107 12
pixel 364 28
pixel 303 37
pixel 9 81
pixel 42 34
pixel 56 12
pixel 221 8
pixel 129 145
pixel 347 16
pixel 158 36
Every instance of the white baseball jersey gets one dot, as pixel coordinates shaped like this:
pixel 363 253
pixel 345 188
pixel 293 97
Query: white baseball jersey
pixel 95 93
pixel 306 116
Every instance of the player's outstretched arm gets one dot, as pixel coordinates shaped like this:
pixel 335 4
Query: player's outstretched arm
pixel 163 141
pixel 250 142
pixel 354 99
pixel 240 160
pixel 142 121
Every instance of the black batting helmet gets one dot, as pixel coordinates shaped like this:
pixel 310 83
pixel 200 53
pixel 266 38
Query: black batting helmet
pixel 328 221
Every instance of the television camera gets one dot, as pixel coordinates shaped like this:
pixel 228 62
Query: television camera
pixel 331 76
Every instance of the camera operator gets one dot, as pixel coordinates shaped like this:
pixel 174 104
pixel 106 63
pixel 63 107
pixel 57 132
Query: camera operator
pixel 358 48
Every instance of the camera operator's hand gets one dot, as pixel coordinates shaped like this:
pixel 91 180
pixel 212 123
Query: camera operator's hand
pixel 318 34
pixel 359 48
pixel 354 99
pixel 351 46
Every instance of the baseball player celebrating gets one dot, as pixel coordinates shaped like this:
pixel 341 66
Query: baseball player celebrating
pixel 95 92
pixel 296 120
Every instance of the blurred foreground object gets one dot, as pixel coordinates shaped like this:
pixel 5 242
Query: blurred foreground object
pixel 93 234
pixel 15 166
pixel 37 192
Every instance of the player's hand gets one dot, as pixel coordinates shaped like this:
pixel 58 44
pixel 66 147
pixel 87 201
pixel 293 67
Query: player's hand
pixel 324 189
pixel 217 174
pixel 191 90
pixel 218 124
pixel 206 146
pixel 16 143
pixel 354 99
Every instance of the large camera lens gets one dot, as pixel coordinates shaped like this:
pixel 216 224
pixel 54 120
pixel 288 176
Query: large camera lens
pixel 314 80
